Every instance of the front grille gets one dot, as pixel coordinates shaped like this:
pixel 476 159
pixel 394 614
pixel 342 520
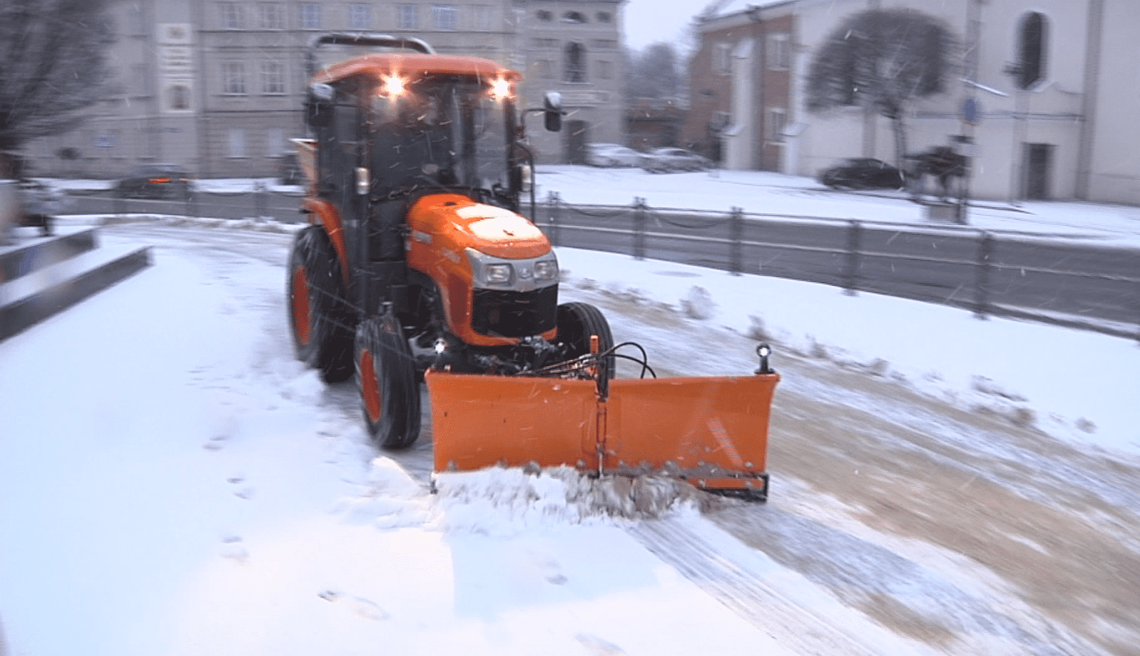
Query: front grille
pixel 514 314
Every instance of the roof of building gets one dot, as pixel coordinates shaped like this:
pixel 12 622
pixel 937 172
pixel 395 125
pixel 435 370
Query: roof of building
pixel 724 8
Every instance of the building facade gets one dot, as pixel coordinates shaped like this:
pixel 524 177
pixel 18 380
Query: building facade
pixel 217 86
pixel 1049 88
pixel 574 48
pixel 741 81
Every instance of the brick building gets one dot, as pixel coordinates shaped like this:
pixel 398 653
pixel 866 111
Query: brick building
pixel 741 84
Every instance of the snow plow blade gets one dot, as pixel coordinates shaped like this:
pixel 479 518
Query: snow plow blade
pixel 711 432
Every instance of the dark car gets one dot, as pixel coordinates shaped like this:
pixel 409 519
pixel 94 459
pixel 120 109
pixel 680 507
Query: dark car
pixel 863 173
pixel 155 181
pixel 289 170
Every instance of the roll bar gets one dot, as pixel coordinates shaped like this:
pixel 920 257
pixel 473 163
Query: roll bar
pixel 369 39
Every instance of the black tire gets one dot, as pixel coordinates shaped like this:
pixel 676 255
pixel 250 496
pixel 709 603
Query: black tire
pixel 318 312
pixel 386 378
pixel 576 323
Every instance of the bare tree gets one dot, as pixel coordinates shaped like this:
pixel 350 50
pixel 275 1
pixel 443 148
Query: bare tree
pixel 53 66
pixel 882 59
pixel 654 73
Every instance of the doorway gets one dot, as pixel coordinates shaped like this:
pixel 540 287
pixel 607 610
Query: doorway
pixel 1038 161
pixel 577 136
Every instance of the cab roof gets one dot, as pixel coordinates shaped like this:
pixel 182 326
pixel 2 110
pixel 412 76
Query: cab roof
pixel 414 65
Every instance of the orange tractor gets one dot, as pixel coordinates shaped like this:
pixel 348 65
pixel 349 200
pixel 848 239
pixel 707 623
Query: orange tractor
pixel 417 265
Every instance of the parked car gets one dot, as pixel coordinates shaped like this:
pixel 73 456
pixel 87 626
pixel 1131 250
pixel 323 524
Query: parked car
pixel 611 155
pixel 668 160
pixel 289 170
pixel 40 204
pixel 863 173
pixel 156 181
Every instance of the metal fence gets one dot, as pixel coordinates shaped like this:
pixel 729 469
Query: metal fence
pixel 279 203
pixel 993 273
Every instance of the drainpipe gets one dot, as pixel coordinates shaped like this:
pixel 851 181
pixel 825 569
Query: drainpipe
pixel 1088 101
pixel 762 38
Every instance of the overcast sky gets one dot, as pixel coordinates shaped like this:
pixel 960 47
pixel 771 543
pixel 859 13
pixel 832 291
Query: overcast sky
pixel 650 21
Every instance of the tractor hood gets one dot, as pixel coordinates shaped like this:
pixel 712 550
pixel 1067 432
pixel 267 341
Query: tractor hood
pixel 453 222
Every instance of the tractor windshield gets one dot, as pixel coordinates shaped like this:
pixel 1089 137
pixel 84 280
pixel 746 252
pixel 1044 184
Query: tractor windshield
pixel 445 131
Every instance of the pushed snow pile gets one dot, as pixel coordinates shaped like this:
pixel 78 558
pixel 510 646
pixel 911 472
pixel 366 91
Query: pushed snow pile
pixel 501 501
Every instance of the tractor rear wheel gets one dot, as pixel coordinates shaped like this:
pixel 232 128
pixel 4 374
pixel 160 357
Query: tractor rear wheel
pixel 318 311
pixel 576 323
pixel 386 376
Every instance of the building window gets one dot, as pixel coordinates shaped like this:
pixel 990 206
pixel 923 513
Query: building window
pixel 274 142
pixel 272 16
pixel 310 16
pixel 178 97
pixel 235 140
pixel 408 17
pixel 231 15
pixel 606 70
pixel 721 55
pixel 544 68
pixel 779 51
pixel 481 18
pixel 605 17
pixel 359 17
pixel 444 17
pixel 776 123
pixel 1031 47
pixel 233 78
pixel 575 64
pixel 272 78
pixel 575 17
pixel 544 15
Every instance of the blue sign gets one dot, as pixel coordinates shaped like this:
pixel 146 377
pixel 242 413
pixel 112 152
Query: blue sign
pixel 971 110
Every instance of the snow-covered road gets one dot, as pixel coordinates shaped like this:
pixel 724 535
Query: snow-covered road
pixel 173 481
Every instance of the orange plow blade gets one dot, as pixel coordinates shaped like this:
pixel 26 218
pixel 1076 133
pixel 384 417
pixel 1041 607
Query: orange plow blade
pixel 711 432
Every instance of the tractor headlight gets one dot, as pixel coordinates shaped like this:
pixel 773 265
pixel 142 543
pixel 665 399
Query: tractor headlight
pixel 546 270
pixel 497 274
pixel 490 272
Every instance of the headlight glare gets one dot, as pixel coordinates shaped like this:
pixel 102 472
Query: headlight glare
pixel 497 274
pixel 545 270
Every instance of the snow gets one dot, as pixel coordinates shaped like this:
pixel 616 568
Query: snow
pixel 174 482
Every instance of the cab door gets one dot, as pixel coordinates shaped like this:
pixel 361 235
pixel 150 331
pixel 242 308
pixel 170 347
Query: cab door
pixel 341 150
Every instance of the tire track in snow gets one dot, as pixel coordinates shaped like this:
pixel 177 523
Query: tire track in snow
pixel 699 561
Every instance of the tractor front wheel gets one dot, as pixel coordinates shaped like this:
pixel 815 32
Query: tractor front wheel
pixel 386 376
pixel 318 311
pixel 576 323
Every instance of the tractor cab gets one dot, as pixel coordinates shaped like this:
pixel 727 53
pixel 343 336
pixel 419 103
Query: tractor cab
pixel 392 126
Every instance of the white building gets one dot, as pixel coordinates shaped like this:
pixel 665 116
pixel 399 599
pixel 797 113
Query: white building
pixel 217 86
pixel 1060 128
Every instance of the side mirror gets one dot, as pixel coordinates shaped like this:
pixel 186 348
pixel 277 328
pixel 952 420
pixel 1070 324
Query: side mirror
pixel 318 106
pixel 552 111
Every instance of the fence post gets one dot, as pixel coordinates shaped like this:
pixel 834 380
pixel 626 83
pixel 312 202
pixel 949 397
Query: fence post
pixel 736 234
pixel 854 257
pixel 260 200
pixel 553 216
pixel 192 203
pixel 982 284
pixel 639 228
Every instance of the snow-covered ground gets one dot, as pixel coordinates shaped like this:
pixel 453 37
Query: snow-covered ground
pixel 173 481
